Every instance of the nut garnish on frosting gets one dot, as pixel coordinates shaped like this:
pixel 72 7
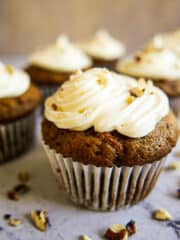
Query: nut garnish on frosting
pixel 103 46
pixel 61 56
pixel 13 82
pixel 82 103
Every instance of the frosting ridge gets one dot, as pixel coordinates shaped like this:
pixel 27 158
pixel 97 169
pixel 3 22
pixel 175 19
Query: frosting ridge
pixel 107 101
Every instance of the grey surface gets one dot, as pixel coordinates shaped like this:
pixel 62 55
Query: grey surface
pixel 70 221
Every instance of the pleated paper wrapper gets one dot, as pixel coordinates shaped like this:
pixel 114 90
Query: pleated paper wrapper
pixel 16 137
pixel 103 188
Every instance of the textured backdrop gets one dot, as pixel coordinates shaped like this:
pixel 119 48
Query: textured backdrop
pixel 26 24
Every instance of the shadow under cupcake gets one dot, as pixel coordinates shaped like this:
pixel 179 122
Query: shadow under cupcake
pixel 107 137
pixel 19 100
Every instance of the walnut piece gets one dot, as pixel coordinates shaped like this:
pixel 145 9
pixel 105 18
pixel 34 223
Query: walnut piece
pixel 131 227
pixel 174 166
pixel 116 232
pixel 40 219
pixel 136 91
pixel 162 215
pixel 14 222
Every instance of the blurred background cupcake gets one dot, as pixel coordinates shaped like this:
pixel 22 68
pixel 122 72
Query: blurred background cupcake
pixel 170 40
pixel 53 65
pixel 159 61
pixel 107 137
pixel 18 102
pixel 104 50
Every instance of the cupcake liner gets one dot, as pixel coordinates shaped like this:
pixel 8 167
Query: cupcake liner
pixel 16 137
pixel 175 105
pixel 104 188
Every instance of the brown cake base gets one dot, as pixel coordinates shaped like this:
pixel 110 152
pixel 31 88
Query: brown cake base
pixel 107 149
pixel 111 64
pixel 12 109
pixel 44 76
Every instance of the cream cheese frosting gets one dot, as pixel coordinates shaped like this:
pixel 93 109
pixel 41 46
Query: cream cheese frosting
pixel 107 101
pixel 61 56
pixel 103 46
pixel 152 63
pixel 13 82
pixel 170 40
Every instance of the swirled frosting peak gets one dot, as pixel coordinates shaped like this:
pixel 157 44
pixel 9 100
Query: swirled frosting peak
pixel 62 56
pixel 107 101
pixel 170 40
pixel 13 82
pixel 103 46
pixel 159 63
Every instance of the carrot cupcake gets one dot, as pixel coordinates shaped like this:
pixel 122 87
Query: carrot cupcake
pixel 107 137
pixel 104 50
pixel 18 101
pixel 160 64
pixel 51 66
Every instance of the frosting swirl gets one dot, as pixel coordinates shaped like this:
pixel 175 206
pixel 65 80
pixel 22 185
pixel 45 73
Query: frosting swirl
pixel 103 46
pixel 152 63
pixel 62 56
pixel 170 40
pixel 13 82
pixel 107 101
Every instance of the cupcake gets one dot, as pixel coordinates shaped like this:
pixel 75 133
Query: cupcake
pixel 18 102
pixel 51 66
pixel 104 50
pixel 107 137
pixel 160 64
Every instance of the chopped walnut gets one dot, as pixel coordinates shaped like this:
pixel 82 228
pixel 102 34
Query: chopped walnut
pixel 40 219
pixel 14 222
pixel 136 92
pixel 12 195
pixel 85 237
pixel 137 58
pixel 129 99
pixel 162 215
pixel 9 69
pixel 131 227
pixel 23 176
pixel 174 166
pixel 22 189
pixel 116 232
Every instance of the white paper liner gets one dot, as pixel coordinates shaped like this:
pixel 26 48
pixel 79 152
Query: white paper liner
pixel 103 188
pixel 16 137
